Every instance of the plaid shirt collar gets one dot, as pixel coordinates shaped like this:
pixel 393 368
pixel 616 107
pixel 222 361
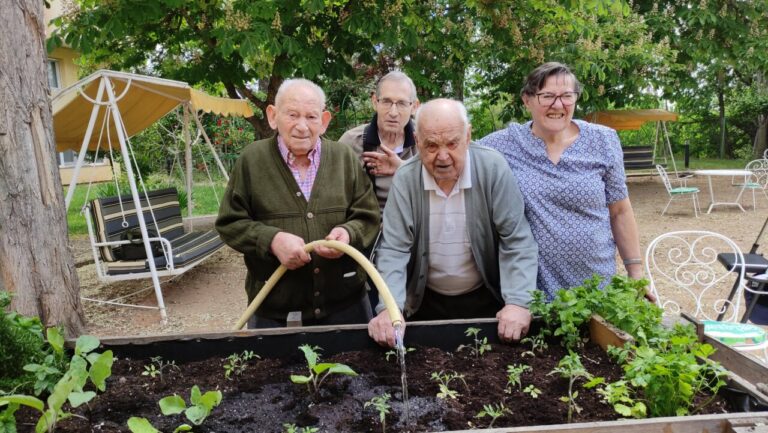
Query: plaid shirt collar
pixel 305 183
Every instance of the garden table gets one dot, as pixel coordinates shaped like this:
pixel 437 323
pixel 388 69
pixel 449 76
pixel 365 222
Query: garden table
pixel 724 173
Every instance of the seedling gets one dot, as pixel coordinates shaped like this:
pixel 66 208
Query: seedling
pixel 532 391
pixel 571 368
pixel 381 404
pixel 201 407
pixel 444 381
pixel 495 411
pixel 157 366
pixel 292 428
pixel 318 372
pixel 478 346
pixel 514 371
pixel 619 395
pixel 393 353
pixel 537 342
pixel 237 363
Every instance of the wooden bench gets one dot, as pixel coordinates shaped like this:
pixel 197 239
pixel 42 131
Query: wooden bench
pixel 110 218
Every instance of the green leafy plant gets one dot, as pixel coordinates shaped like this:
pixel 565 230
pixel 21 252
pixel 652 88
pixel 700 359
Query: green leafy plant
pixel 444 380
pixel 514 373
pixel 23 343
pixel 48 373
pixel 237 363
pixel 318 371
pixel 668 373
pixel 381 404
pixel 292 428
pixel 571 368
pixel 478 346
pixel 619 395
pixel 494 411
pixel 532 391
pixel 85 364
pixel 156 367
pixel 393 353
pixel 538 342
pixel 200 408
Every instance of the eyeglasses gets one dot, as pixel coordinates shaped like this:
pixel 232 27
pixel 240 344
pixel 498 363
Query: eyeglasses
pixel 388 103
pixel 548 99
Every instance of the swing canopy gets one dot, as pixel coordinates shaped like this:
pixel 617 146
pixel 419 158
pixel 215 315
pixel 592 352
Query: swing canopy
pixel 141 100
pixel 622 120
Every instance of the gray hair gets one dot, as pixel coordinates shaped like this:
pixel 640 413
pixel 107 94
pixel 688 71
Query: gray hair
pixel 459 107
pixel 536 79
pixel 397 76
pixel 287 84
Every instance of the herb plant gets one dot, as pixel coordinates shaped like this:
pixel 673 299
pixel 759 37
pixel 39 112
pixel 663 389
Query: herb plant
pixel 494 411
pixel 381 404
pixel 50 370
pixel 514 371
pixel 237 363
pixel 444 381
pixel 478 346
pixel 318 372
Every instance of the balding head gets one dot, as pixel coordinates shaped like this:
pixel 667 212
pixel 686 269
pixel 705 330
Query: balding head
pixel 442 136
pixel 441 108
pixel 289 86
pixel 299 116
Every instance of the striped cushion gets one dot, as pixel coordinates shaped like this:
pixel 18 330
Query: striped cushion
pixel 187 249
pixel 110 213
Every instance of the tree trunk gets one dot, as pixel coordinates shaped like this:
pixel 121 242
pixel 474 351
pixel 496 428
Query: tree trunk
pixel 36 263
pixel 761 136
pixel 721 106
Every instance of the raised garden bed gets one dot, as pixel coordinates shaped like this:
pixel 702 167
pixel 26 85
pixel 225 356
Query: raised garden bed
pixel 263 399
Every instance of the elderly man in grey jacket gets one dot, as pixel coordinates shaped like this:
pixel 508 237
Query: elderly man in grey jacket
pixel 455 241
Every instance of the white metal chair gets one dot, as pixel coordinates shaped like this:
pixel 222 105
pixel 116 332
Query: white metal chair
pixel 686 276
pixel 758 180
pixel 678 192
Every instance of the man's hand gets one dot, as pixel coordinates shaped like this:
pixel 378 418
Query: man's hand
pixel 514 322
pixel 337 234
pixel 289 249
pixel 383 163
pixel 381 330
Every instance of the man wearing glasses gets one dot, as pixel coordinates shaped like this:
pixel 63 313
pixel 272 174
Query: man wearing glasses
pixel 571 174
pixel 385 142
pixel 455 243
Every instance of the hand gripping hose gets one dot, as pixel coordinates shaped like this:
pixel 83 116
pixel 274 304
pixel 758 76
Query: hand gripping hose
pixel 389 301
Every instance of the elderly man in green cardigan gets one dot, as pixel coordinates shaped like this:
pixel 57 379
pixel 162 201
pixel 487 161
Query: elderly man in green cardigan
pixel 292 189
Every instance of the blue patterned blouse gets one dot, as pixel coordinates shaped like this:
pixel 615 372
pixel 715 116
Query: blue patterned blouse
pixel 567 203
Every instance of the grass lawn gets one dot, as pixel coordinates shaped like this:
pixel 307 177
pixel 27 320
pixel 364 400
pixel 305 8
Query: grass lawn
pixel 203 194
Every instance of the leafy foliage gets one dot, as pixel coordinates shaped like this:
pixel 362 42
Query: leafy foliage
pixel 381 404
pixel 479 346
pixel 200 408
pixel 22 343
pixel 444 380
pixel 84 366
pixel 571 368
pixel 237 363
pixel 493 411
pixel 318 371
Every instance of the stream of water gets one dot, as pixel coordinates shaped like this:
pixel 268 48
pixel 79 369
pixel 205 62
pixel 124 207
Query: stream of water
pixel 403 379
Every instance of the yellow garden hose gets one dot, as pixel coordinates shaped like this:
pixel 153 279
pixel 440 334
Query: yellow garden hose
pixel 381 286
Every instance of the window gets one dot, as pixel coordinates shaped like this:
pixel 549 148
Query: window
pixel 54 80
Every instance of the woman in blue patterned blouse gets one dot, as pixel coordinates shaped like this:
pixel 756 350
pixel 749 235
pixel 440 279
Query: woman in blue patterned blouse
pixel 571 175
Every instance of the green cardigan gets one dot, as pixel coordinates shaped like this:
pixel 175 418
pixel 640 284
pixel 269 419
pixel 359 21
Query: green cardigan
pixel 263 198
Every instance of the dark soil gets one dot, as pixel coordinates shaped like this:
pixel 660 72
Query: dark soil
pixel 262 398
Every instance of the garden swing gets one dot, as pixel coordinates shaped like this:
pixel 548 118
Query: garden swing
pixel 642 158
pixel 140 235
